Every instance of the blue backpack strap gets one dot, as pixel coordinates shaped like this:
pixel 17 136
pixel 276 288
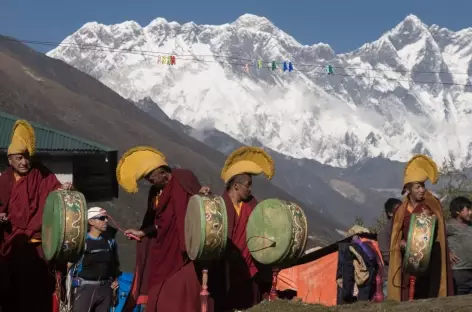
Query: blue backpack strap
pixel 78 265
pixel 111 243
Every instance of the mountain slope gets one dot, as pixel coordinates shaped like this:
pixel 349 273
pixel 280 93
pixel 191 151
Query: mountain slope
pixel 311 182
pixel 52 93
pixel 374 105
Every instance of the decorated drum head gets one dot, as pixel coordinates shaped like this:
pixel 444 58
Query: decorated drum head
pixel 206 227
pixel 64 225
pixel 276 232
pixel 420 243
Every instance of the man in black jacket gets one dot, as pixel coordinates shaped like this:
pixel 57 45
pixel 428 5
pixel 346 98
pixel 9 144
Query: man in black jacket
pixel 95 275
pixel 384 236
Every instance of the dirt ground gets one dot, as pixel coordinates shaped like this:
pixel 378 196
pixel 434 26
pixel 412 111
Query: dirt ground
pixel 456 304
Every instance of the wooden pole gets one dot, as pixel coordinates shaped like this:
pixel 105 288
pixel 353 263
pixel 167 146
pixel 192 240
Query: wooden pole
pixel 204 293
pixel 273 291
pixel 411 293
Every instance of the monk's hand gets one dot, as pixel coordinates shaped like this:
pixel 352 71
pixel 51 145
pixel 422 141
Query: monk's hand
pixel 402 244
pixel 454 259
pixel 3 218
pixel 136 233
pixel 115 285
pixel 205 190
pixel 66 186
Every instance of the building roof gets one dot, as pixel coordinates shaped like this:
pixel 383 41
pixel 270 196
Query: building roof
pixel 49 140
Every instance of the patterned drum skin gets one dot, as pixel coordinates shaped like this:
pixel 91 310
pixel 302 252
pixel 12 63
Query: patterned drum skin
pixel 64 227
pixel 277 232
pixel 206 227
pixel 419 244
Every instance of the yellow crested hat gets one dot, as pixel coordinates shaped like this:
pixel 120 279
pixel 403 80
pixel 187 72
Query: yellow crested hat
pixel 248 159
pixel 419 169
pixel 23 139
pixel 135 164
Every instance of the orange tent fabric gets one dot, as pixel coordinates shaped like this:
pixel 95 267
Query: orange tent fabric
pixel 315 282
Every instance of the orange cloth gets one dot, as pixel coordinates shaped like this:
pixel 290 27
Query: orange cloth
pixel 314 282
pixel 238 208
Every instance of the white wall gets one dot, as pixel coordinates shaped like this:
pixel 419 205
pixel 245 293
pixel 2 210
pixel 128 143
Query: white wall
pixel 62 169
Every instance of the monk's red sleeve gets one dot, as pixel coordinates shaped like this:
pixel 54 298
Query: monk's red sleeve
pixel 50 182
pixel 180 198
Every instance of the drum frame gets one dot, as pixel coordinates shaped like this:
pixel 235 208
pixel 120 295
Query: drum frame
pixel 299 234
pixel 215 230
pixel 418 262
pixel 73 223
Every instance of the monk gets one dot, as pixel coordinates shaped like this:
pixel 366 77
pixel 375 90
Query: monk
pixel 165 279
pixel 244 279
pixel 27 281
pixel 437 282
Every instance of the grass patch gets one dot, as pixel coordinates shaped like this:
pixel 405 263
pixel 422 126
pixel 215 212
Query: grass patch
pixel 455 304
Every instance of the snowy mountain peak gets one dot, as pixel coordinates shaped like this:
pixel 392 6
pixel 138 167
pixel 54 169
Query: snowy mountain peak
pixel 252 20
pixel 399 95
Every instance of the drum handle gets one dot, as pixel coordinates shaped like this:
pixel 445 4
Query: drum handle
pixel 204 293
pixel 411 293
pixel 273 290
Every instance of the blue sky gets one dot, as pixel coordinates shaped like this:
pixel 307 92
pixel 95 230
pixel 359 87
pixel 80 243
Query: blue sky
pixel 345 25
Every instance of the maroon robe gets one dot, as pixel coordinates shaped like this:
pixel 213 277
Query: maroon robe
pixel 26 279
pixel 237 286
pixel 163 272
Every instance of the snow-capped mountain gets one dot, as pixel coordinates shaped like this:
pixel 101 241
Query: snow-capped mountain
pixel 402 94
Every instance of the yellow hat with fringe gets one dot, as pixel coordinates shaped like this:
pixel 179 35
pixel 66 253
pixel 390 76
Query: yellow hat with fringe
pixel 23 139
pixel 419 169
pixel 248 159
pixel 135 164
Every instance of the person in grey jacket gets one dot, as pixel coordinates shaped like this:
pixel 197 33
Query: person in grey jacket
pixel 459 238
pixel 384 237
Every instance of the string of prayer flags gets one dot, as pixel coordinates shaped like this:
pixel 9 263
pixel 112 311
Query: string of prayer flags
pixel 259 64
pixel 166 60
pixel 329 69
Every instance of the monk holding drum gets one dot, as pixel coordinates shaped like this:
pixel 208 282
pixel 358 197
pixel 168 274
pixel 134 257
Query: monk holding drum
pixel 26 283
pixel 165 279
pixel 241 288
pixel 419 257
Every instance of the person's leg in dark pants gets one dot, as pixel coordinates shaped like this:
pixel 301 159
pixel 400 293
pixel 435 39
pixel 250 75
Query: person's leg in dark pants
pixel 84 298
pixel 104 299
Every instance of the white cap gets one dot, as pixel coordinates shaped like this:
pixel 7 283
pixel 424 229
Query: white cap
pixel 95 212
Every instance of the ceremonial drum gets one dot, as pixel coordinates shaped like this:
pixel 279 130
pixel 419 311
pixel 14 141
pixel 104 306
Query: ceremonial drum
pixel 420 243
pixel 206 227
pixel 64 228
pixel 277 232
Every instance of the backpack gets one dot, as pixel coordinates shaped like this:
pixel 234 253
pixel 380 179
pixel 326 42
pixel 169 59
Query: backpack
pixel 76 268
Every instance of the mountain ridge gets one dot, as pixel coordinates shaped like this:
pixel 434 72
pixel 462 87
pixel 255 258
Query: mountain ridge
pixel 373 106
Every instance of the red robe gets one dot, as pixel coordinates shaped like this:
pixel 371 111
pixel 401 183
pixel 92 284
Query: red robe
pixel 163 272
pixel 237 286
pixel 26 280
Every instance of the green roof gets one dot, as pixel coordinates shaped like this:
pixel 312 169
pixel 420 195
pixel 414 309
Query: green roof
pixel 49 140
